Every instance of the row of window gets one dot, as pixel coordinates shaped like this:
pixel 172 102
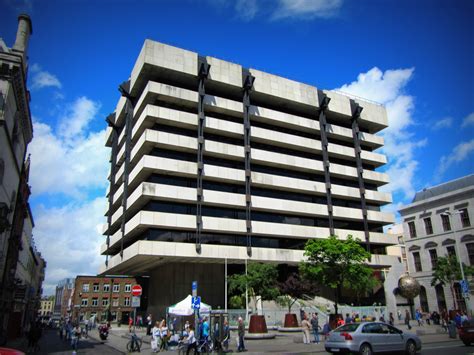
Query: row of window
pixel 451 251
pixel 445 221
pixel 105 302
pixel 106 288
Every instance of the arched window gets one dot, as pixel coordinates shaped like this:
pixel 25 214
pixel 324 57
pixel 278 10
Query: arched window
pixel 460 301
pixel 440 298
pixel 424 300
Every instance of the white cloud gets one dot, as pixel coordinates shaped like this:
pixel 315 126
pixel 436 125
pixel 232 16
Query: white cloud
pixel 443 123
pixel 73 161
pixel 69 240
pixel 307 9
pixel 457 155
pixel 388 88
pixel 246 9
pixel 282 9
pixel 468 120
pixel 42 79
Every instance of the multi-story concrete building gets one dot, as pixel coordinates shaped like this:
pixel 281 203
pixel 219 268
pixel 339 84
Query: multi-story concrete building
pixel 438 223
pixel 215 164
pixel 96 296
pixel 46 307
pixel 16 132
pixel 63 299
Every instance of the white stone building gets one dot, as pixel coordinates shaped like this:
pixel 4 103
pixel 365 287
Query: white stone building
pixel 216 164
pixel 438 223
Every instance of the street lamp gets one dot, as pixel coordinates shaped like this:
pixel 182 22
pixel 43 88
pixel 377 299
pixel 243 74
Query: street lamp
pixel 449 215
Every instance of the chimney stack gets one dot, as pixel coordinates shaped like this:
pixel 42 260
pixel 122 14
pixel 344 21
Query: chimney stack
pixel 25 29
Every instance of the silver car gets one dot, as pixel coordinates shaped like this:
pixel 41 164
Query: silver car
pixel 371 337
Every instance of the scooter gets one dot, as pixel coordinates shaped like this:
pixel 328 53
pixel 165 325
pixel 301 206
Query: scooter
pixel 103 331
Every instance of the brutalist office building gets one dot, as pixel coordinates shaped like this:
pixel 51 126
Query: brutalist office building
pixel 213 164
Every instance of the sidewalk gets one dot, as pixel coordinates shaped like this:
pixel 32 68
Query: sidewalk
pixel 283 343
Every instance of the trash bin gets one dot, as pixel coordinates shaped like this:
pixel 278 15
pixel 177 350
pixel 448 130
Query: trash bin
pixel 452 329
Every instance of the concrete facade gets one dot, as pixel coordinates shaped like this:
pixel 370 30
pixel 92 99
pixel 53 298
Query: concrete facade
pixel 213 162
pixel 16 132
pixel 436 223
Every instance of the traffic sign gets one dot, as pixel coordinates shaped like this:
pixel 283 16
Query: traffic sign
pixel 194 288
pixel 196 302
pixel 136 290
pixel 136 301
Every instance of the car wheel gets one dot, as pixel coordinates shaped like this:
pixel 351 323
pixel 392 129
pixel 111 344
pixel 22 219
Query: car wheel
pixel 411 348
pixel 467 343
pixel 365 349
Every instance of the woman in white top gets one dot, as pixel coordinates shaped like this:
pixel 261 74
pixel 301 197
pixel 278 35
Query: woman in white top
pixel 156 335
pixel 164 335
pixel 191 340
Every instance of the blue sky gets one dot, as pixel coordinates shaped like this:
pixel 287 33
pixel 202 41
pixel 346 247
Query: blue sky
pixel 416 57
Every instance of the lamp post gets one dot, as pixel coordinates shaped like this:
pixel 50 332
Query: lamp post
pixel 449 215
pixel 109 316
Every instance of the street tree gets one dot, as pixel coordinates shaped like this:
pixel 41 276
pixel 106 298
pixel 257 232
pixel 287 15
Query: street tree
pixel 447 271
pixel 260 282
pixel 338 264
pixel 294 287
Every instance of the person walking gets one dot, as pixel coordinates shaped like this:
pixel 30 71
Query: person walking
pixel 149 323
pixel 407 319
pixel 241 332
pixel 419 317
pixel 156 336
pixel 315 326
pixel 391 320
pixel 305 326
pixel 165 335
pixel 75 335
pixel 191 340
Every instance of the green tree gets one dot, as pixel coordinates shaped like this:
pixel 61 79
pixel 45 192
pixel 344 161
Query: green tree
pixel 338 264
pixel 292 288
pixel 447 271
pixel 260 281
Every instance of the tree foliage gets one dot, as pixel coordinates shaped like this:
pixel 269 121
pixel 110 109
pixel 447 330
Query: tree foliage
pixel 260 281
pixel 338 263
pixel 292 288
pixel 447 271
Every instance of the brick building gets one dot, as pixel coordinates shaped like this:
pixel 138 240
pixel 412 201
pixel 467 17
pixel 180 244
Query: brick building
pixel 95 296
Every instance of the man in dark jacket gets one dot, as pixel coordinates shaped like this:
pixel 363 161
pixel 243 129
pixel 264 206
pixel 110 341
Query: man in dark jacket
pixel 241 330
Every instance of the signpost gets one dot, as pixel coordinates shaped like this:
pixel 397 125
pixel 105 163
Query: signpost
pixel 136 293
pixel 194 301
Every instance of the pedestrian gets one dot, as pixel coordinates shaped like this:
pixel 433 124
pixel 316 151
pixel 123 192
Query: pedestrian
pixel 305 326
pixel 348 319
pixel 130 324
pixel 61 328
pixel 339 322
pixel 186 329
pixel 407 319
pixel 149 322
pixel 75 335
pixel 241 332
pixel 399 314
pixel 205 328
pixel 419 317
pixel 457 319
pixel 326 330
pixel 191 340
pixel 391 320
pixel 165 335
pixel 34 336
pixel 156 336
pixel 315 326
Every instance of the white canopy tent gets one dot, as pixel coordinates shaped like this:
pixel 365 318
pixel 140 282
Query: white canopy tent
pixel 184 308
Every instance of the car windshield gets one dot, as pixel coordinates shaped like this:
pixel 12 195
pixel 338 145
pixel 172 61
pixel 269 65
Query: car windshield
pixel 347 328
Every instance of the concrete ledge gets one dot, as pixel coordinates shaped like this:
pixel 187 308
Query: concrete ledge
pixel 289 330
pixel 251 336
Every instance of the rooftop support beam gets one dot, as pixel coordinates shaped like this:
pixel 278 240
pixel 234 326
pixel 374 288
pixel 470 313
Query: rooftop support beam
pixel 323 104
pixel 247 83
pixel 356 109
pixel 203 73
